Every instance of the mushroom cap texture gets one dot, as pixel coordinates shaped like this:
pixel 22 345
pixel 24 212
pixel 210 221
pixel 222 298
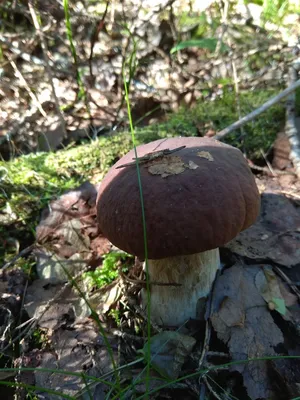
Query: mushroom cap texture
pixel 195 199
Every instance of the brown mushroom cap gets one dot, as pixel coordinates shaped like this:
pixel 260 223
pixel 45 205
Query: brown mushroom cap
pixel 196 199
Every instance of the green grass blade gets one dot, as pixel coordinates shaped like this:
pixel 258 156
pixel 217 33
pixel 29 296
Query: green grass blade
pixel 144 225
pixel 82 92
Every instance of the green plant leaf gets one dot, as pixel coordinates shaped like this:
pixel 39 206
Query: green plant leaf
pixel 279 305
pixel 207 43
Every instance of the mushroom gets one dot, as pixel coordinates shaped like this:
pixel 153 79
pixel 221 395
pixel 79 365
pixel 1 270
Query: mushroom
pixel 198 195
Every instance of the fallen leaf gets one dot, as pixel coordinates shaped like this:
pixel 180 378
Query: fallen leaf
pixel 75 203
pixel 65 309
pixel 168 352
pixel 80 349
pixel 267 284
pixel 206 155
pixel 71 231
pixel 243 322
pixel 275 236
pixel 104 298
pixel 166 166
pixel 52 267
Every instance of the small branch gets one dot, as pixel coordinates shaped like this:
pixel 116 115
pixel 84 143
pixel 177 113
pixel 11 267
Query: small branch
pixel 22 253
pixel 288 281
pixel 224 26
pixel 29 91
pixel 257 112
pixel 290 125
pixel 276 172
pixel 210 388
pixel 100 26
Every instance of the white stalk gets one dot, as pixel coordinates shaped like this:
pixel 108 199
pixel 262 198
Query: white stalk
pixel 195 273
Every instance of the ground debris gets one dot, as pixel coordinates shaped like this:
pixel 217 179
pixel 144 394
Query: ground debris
pixel 54 305
pixel 68 234
pixel 242 320
pixel 80 349
pixel 276 234
pixel 168 352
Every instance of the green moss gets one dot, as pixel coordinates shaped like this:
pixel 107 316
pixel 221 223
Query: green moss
pixel 108 270
pixel 196 23
pixel 222 112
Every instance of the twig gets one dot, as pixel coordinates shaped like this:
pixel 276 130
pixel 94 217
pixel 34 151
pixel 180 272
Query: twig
pixel 218 354
pixel 290 126
pixel 258 111
pixel 128 336
pixel 267 162
pixel 47 64
pixel 288 281
pixel 100 25
pixel 151 156
pixel 30 92
pixel 267 170
pixel 207 333
pixel 291 194
pixel 22 253
pixel 212 391
pixel 224 27
pixel 206 341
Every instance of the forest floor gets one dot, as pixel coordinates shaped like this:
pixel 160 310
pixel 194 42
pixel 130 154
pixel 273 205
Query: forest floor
pixel 68 309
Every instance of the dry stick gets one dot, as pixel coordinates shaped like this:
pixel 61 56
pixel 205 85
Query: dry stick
pixel 205 349
pixel 210 388
pixel 100 25
pixel 15 258
pixel 258 111
pixel 224 27
pixel 235 77
pixel 290 125
pixel 288 281
pixel 267 170
pixel 29 91
pixel 47 64
pixel 267 162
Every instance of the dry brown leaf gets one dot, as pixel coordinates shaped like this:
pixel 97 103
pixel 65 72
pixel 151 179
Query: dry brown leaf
pixel 66 308
pixel 80 349
pixel 103 299
pixel 276 234
pixel 168 352
pixel 242 321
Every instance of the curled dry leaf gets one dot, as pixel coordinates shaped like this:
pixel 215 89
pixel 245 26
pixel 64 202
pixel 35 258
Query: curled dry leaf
pixel 103 299
pixel 68 226
pixel 76 203
pixel 276 234
pixel 69 235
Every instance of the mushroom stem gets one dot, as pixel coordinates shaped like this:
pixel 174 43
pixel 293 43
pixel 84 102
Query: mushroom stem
pixel 192 277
